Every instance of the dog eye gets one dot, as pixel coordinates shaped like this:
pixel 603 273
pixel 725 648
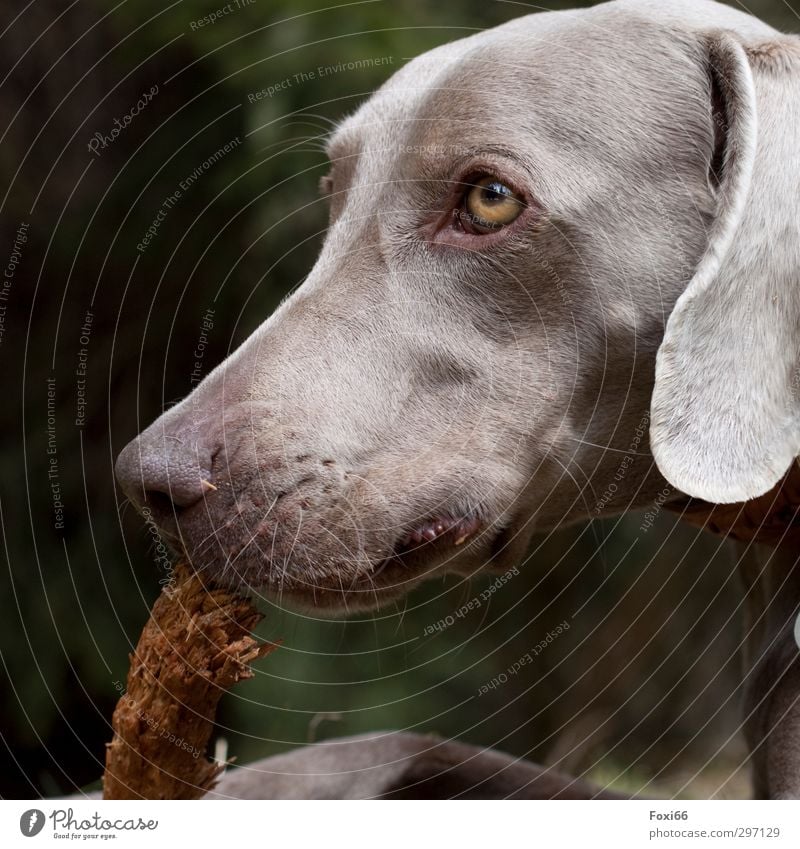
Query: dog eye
pixel 490 204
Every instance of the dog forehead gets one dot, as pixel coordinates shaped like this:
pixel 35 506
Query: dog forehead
pixel 408 97
pixel 546 57
pixel 488 61
pixel 434 110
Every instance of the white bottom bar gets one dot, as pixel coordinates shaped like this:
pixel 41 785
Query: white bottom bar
pixel 400 825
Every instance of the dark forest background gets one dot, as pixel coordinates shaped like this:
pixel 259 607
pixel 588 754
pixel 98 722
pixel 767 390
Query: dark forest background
pixel 642 691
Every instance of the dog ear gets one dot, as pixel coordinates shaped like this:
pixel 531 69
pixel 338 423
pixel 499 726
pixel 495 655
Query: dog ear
pixel 725 416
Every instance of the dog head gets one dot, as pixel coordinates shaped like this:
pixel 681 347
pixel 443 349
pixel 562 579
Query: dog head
pixel 513 219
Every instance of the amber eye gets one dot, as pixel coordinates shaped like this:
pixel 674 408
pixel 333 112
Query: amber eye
pixel 490 204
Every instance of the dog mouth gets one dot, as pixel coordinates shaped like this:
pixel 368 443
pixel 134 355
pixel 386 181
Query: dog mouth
pixel 422 550
pixel 317 581
pixel 456 530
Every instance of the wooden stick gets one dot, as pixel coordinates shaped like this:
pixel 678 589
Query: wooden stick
pixel 195 646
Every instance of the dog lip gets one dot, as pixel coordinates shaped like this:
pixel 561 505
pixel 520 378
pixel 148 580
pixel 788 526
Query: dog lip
pixel 438 527
pixel 393 562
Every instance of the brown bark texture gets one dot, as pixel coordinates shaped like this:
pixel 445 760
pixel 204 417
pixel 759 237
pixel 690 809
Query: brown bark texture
pixel 195 646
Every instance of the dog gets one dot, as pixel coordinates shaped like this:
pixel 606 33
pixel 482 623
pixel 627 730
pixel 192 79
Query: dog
pixel 543 238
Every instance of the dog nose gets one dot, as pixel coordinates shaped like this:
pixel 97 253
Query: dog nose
pixel 166 472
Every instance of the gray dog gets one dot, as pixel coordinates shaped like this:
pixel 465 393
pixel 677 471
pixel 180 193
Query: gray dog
pixel 543 238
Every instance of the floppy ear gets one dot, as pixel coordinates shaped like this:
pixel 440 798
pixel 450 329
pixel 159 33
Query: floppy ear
pixel 725 416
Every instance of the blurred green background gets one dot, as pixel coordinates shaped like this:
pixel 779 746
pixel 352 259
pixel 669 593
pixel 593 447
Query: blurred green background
pixel 642 690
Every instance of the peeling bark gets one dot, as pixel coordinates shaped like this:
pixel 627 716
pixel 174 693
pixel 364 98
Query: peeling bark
pixel 195 646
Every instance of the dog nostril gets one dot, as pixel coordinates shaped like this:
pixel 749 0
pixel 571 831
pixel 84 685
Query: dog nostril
pixel 161 505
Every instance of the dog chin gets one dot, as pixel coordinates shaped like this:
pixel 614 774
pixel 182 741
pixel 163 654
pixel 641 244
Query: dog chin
pixel 387 585
pixel 321 595
pixel 330 604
